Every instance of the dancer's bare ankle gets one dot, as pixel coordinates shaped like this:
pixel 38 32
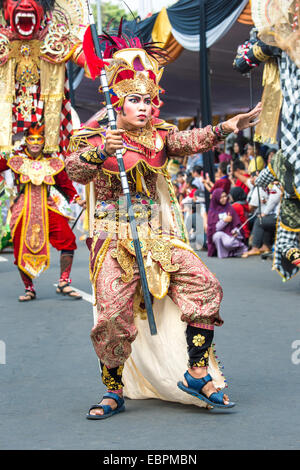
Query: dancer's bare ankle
pixel 117 392
pixel 198 372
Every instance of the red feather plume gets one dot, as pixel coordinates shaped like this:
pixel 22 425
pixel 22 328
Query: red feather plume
pixel 94 63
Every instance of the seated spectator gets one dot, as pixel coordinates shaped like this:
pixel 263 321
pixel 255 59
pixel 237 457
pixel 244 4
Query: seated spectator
pixel 269 154
pixel 194 160
pixel 176 189
pixel 223 235
pixel 194 210
pixel 264 228
pixel 241 207
pixel 180 178
pixel 222 179
pixel 218 149
pixel 186 203
pixel 256 164
pixel 173 166
pixel 242 178
pixel 181 181
pixel 248 155
pixel 235 151
pixel 197 173
pixel 190 189
pixel 225 157
pixel 257 199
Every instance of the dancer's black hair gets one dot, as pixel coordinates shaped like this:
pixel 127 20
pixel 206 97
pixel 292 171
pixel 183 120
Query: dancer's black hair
pixel 121 40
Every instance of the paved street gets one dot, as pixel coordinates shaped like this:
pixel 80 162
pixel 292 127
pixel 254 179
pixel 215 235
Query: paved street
pixel 51 374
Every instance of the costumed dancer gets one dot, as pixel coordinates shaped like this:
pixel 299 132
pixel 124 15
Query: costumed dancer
pixel 278 47
pixel 287 252
pixel 36 219
pixel 149 366
pixel 37 39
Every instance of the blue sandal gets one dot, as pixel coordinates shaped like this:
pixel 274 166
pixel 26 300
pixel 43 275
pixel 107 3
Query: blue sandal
pixel 108 411
pixel 195 386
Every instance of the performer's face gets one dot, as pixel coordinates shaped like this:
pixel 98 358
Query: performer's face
pixel 136 111
pixel 35 144
pixel 24 16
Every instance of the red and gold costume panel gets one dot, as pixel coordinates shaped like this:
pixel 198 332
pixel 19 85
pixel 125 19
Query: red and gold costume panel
pixel 36 219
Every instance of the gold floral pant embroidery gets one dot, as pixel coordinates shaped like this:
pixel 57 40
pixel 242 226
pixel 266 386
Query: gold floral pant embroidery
pixel 112 378
pixel 199 341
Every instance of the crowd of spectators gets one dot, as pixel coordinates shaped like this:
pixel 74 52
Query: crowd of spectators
pixel 225 213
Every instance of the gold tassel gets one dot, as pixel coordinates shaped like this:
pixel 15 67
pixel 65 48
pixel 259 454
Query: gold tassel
pixel 138 185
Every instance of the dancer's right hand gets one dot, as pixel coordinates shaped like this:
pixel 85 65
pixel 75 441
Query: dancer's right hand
pixel 113 141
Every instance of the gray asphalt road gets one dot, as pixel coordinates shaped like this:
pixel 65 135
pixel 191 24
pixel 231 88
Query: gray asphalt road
pixel 51 373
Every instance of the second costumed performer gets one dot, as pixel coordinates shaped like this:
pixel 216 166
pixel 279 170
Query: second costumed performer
pixel 37 220
pixel 186 294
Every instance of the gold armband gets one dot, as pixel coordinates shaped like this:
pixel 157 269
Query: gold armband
pixel 93 156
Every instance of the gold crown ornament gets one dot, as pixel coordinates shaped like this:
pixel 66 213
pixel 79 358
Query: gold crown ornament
pixel 133 70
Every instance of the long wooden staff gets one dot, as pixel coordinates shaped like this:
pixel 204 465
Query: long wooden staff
pixel 123 177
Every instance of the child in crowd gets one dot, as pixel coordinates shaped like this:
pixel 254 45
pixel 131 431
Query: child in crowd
pixel 222 179
pixel 240 205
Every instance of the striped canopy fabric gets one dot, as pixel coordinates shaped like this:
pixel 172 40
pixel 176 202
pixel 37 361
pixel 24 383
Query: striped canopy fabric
pixel 178 27
pixel 181 21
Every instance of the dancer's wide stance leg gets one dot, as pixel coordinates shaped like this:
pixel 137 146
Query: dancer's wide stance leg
pixel 193 288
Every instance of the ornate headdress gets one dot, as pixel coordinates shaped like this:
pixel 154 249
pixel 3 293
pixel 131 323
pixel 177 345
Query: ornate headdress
pixel 36 129
pixel 278 24
pixel 131 67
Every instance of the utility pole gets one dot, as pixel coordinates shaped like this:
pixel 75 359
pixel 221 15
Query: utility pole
pixel 205 99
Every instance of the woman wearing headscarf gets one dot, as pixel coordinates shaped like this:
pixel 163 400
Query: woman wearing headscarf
pixel 223 236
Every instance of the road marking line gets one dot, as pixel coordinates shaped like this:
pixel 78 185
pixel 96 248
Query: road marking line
pixel 2 259
pixel 87 297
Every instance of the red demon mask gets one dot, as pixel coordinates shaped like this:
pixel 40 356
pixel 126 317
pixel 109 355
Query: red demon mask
pixel 24 16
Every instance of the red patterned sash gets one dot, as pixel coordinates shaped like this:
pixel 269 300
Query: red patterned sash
pixel 34 255
pixel 36 174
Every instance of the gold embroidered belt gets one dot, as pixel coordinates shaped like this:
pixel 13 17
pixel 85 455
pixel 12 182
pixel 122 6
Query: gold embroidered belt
pixel 112 217
pixel 112 221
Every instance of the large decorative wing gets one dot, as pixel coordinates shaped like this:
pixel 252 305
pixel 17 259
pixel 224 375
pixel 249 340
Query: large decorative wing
pixel 277 22
pixel 76 14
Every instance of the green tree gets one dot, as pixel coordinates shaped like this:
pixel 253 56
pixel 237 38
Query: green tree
pixel 111 15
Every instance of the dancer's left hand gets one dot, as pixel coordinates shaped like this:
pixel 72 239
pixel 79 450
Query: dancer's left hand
pixel 242 121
